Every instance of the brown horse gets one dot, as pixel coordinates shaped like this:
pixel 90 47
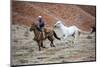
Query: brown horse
pixel 49 33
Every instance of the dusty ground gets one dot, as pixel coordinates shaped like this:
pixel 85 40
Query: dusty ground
pixel 25 50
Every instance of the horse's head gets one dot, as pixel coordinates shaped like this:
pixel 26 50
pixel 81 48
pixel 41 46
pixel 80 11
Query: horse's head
pixel 58 24
pixel 33 27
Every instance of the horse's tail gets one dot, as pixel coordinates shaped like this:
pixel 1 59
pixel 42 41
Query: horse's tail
pixel 85 32
pixel 93 29
pixel 55 35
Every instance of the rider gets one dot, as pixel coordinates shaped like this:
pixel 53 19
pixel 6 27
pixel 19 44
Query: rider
pixel 41 24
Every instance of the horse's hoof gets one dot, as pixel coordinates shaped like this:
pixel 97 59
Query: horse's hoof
pixel 50 45
pixel 53 46
pixel 43 47
pixel 39 49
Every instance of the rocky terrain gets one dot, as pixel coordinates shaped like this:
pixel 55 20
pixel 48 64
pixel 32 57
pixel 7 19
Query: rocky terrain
pixel 27 13
pixel 25 49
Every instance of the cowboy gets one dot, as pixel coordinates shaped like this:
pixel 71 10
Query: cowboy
pixel 41 24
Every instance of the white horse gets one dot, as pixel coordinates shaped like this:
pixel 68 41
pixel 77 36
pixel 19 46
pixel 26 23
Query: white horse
pixel 69 31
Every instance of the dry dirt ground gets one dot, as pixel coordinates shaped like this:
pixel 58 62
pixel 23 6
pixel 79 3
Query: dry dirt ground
pixel 25 50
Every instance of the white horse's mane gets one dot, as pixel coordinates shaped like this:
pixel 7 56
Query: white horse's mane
pixel 59 21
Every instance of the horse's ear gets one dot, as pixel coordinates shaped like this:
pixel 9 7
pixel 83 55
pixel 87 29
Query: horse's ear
pixel 33 23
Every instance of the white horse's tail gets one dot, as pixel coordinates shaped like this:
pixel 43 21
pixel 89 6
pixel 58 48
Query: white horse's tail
pixel 85 32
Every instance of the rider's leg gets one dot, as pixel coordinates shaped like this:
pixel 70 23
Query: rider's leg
pixel 42 32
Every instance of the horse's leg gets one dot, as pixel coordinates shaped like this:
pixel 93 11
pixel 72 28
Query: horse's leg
pixel 39 45
pixel 65 38
pixel 52 43
pixel 51 39
pixel 34 38
pixel 42 45
pixel 75 36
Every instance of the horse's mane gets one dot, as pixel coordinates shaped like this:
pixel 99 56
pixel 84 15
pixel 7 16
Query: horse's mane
pixel 61 22
pixel 34 24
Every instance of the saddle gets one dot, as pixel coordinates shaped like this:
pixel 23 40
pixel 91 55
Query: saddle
pixel 45 32
pixel 47 29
